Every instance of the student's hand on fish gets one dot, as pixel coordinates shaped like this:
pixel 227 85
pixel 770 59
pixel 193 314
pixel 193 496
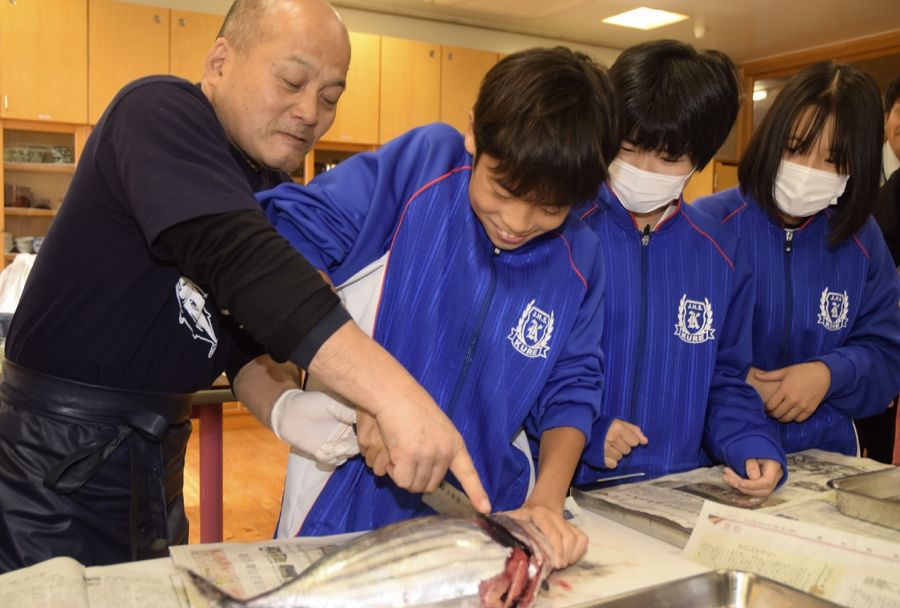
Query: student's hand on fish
pixel 802 389
pixel 423 444
pixel 371 446
pixel 764 388
pixel 620 439
pixel 569 543
pixel 763 476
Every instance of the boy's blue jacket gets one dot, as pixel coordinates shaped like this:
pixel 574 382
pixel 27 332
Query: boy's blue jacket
pixel 500 339
pixel 677 345
pixel 813 302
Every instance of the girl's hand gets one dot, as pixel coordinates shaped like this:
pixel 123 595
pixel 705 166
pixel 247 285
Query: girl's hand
pixel 802 389
pixel 763 476
pixel 765 389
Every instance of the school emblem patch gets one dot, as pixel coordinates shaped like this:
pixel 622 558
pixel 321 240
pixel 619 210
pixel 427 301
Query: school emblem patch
pixel 833 309
pixel 695 319
pixel 192 313
pixel 531 336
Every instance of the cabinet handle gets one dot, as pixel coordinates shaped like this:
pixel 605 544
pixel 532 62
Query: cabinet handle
pixel 182 22
pixel 6 97
pixel 450 56
pixel 12 1
pixel 157 19
pixel 431 53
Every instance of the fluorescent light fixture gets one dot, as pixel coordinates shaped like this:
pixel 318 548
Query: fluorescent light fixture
pixel 644 18
pixel 760 95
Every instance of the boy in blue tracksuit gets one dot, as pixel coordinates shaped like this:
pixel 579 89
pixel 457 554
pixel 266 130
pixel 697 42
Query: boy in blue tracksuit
pixel 826 324
pixel 679 290
pixel 479 282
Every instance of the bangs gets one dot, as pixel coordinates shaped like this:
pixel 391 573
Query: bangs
pixel 665 139
pixel 550 178
pixel 810 123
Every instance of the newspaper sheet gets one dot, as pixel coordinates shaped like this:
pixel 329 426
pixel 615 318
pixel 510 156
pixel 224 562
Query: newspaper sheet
pixel 247 569
pixel 846 568
pixel 63 581
pixel 55 582
pixel 667 507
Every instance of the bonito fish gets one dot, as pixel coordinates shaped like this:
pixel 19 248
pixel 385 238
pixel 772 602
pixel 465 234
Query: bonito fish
pixel 487 561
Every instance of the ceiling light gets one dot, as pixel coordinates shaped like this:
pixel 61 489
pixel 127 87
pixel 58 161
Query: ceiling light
pixel 644 18
pixel 760 95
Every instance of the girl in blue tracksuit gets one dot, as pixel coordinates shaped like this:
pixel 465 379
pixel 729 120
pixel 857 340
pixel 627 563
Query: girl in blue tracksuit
pixel 826 328
pixel 491 291
pixel 679 289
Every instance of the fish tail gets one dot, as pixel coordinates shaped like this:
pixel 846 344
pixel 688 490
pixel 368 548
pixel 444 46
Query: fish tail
pixel 215 597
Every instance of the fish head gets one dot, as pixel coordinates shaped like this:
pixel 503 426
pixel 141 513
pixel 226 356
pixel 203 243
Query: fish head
pixel 528 566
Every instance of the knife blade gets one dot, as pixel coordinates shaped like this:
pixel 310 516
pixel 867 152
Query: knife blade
pixel 596 485
pixel 447 500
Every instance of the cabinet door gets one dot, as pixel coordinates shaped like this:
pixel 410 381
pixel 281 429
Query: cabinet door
pixel 726 176
pixel 43 60
pixel 357 113
pixel 410 85
pixel 462 71
pixel 125 42
pixel 191 38
pixel 701 183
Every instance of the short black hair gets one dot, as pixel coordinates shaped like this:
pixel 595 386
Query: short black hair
pixel 548 116
pixel 676 99
pixel 891 94
pixel 818 93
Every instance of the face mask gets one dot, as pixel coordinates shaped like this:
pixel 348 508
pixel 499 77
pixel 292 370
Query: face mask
pixel 802 191
pixel 642 191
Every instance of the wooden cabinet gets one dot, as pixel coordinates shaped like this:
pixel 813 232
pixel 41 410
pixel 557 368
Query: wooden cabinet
pixel 410 85
pixel 357 113
pixel 38 164
pixel 717 176
pixel 462 71
pixel 191 36
pixel 125 42
pixel 43 60
pixel 325 156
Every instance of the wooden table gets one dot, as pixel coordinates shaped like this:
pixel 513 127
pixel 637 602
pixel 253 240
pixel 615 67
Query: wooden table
pixel 207 407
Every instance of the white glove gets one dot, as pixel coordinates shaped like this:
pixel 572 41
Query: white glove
pixel 316 424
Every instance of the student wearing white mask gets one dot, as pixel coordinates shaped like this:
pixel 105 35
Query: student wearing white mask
pixel 675 340
pixel 826 327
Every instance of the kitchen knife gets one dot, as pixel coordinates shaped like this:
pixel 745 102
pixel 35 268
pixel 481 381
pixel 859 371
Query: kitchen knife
pixel 447 500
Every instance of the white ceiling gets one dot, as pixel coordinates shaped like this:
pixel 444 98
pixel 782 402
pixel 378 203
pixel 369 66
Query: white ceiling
pixel 745 29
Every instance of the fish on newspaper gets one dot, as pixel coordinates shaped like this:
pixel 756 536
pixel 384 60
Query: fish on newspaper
pixel 488 561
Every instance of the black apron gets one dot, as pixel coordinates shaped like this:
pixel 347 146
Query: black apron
pixel 87 471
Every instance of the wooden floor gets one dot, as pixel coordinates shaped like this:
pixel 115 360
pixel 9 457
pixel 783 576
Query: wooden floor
pixel 253 461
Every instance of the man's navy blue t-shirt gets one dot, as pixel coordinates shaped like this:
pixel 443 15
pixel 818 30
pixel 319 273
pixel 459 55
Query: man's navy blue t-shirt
pixel 104 304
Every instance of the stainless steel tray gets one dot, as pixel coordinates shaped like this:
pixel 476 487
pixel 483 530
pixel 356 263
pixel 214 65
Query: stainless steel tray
pixel 725 589
pixel 873 497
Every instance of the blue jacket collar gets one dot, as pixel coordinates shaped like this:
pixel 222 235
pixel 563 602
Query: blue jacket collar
pixel 776 223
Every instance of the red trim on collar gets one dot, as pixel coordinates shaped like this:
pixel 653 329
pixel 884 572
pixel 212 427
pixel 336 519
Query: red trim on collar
pixel 735 212
pixel 571 260
pixel 711 240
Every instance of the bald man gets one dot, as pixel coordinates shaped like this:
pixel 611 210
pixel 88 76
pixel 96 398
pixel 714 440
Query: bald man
pixel 160 272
